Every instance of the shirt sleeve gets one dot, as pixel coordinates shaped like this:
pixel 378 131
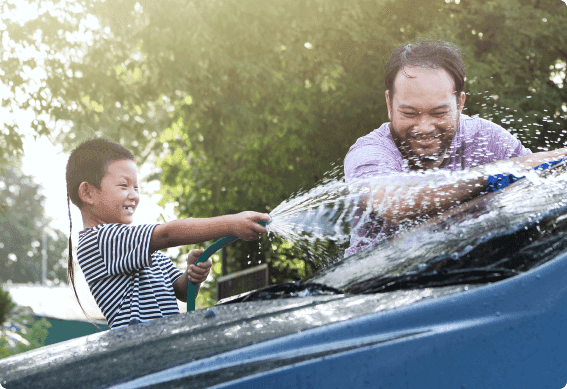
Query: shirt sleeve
pixel 172 271
pixel 372 156
pixel 125 248
pixel 503 145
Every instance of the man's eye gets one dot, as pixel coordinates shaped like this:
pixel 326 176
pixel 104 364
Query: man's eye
pixel 411 114
pixel 439 114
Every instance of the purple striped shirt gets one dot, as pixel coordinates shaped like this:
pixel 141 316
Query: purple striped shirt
pixel 477 142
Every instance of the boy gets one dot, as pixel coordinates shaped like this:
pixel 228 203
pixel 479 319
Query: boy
pixel 130 279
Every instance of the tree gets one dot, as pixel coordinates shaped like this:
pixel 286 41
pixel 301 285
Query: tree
pixel 21 230
pixel 516 57
pixel 244 103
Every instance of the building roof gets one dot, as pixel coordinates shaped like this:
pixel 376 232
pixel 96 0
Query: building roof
pixel 58 302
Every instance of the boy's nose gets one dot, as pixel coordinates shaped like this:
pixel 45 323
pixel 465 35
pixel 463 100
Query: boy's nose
pixel 133 194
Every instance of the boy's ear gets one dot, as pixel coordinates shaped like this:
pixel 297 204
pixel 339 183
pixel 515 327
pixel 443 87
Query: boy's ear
pixel 87 193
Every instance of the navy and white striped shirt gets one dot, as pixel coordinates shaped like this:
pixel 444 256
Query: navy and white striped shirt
pixel 115 260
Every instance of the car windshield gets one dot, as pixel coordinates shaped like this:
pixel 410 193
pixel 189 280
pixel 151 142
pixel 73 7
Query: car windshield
pixel 490 238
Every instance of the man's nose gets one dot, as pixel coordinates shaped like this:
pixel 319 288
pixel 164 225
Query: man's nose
pixel 425 126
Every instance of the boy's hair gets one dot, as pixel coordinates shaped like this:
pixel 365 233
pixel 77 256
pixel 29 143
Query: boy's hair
pixel 427 53
pixel 88 163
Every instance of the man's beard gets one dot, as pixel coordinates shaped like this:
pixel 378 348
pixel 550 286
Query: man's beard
pixel 418 161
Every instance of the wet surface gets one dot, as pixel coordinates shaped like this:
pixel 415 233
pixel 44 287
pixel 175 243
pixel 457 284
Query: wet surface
pixel 501 229
pixel 127 353
pixel 500 234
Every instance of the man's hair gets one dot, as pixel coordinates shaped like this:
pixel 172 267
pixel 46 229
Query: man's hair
pixel 427 53
pixel 89 163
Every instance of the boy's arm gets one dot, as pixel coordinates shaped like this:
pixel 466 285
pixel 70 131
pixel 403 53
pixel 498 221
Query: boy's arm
pixel 194 273
pixel 190 231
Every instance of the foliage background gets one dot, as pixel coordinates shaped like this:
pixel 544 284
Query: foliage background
pixel 22 226
pixel 240 104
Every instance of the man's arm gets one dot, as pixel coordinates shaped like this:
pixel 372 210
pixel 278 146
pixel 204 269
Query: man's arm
pixel 371 155
pixel 428 200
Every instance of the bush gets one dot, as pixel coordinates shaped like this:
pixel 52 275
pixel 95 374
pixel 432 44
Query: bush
pixel 6 305
pixel 22 332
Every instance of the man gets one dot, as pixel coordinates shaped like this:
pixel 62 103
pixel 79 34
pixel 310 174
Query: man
pixel 425 100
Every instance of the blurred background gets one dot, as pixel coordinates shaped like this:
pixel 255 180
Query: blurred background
pixel 231 106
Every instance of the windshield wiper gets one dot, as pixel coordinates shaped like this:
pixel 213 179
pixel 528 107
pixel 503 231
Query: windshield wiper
pixel 284 290
pixel 433 279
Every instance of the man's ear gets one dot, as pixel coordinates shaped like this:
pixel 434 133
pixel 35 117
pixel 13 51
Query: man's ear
pixel 87 193
pixel 462 99
pixel 388 104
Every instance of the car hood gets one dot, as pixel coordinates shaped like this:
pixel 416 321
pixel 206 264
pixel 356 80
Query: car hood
pixel 126 353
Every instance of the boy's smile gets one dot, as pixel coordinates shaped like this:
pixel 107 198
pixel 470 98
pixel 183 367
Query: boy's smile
pixel 118 196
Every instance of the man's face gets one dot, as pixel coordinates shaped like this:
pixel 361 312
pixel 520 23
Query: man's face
pixel 424 113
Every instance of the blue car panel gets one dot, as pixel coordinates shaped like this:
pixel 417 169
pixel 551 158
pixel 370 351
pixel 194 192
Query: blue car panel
pixel 508 334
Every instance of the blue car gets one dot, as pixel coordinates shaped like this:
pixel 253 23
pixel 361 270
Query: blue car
pixel 476 298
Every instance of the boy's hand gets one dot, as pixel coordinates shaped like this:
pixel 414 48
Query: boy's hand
pixel 246 226
pixel 197 273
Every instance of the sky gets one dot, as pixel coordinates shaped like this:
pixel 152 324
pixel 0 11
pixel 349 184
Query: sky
pixel 46 163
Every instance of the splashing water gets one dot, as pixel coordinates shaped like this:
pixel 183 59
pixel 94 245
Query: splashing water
pixel 328 211
pixel 537 208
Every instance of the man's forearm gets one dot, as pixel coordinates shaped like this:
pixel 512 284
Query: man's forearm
pixel 532 160
pixel 425 200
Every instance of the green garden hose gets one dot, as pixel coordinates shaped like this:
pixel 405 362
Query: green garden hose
pixel 216 246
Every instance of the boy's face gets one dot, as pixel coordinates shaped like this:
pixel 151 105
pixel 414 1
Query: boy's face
pixel 118 197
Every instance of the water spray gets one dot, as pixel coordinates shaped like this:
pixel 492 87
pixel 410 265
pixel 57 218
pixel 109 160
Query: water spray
pixel 216 246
